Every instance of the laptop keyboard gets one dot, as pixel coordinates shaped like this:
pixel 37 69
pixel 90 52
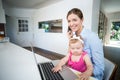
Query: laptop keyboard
pixel 48 74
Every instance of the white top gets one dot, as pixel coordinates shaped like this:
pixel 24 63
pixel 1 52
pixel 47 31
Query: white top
pixel 17 63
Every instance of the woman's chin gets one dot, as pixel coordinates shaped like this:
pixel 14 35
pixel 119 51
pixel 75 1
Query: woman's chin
pixel 74 30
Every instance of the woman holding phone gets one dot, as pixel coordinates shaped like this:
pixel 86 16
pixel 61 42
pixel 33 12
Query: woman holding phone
pixel 92 44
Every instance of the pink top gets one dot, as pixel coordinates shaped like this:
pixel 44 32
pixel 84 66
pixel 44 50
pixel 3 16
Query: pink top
pixel 80 65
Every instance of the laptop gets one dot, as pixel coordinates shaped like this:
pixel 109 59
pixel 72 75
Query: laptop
pixel 66 73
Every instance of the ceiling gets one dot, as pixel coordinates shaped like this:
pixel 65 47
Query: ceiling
pixel 107 5
pixel 110 6
pixel 29 4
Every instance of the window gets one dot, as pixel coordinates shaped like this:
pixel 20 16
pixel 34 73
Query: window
pixel 115 32
pixel 22 25
pixel 51 25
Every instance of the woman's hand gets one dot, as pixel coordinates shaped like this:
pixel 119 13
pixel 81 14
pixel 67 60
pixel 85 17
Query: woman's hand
pixel 69 33
pixel 85 76
pixel 57 68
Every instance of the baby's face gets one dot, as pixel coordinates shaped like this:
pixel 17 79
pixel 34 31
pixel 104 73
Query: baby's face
pixel 76 48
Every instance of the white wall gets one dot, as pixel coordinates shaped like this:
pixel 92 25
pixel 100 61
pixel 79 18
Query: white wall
pixel 2 13
pixel 20 38
pixel 56 42
pixel 95 15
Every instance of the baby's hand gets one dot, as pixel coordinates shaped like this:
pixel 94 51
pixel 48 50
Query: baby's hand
pixel 57 68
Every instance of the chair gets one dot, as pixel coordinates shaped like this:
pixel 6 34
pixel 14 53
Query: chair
pixel 110 70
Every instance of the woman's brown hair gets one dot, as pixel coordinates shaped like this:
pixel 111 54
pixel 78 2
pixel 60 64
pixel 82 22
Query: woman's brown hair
pixel 76 11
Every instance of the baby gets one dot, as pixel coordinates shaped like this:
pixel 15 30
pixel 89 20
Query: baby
pixel 76 59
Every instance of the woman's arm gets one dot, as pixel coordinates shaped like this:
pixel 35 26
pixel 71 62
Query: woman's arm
pixel 85 75
pixel 97 56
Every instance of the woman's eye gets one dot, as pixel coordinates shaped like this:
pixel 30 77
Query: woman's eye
pixel 74 19
pixel 68 21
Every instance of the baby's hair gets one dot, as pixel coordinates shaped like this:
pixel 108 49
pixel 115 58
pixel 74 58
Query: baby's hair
pixel 74 40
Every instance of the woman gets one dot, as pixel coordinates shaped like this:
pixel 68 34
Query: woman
pixel 92 44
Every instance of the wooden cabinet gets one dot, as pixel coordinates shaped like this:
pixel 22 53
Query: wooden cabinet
pixel 2 30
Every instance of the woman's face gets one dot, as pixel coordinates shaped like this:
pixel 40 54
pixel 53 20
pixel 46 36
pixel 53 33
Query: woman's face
pixel 74 22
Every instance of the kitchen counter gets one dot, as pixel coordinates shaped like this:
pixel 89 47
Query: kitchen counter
pixel 17 63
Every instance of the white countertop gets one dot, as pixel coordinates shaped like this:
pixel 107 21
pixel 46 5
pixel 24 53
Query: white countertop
pixel 17 63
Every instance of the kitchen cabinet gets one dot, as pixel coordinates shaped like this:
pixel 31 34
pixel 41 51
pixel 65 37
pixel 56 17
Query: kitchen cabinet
pixel 2 30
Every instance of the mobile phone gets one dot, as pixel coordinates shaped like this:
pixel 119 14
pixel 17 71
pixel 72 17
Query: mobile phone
pixel 69 29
